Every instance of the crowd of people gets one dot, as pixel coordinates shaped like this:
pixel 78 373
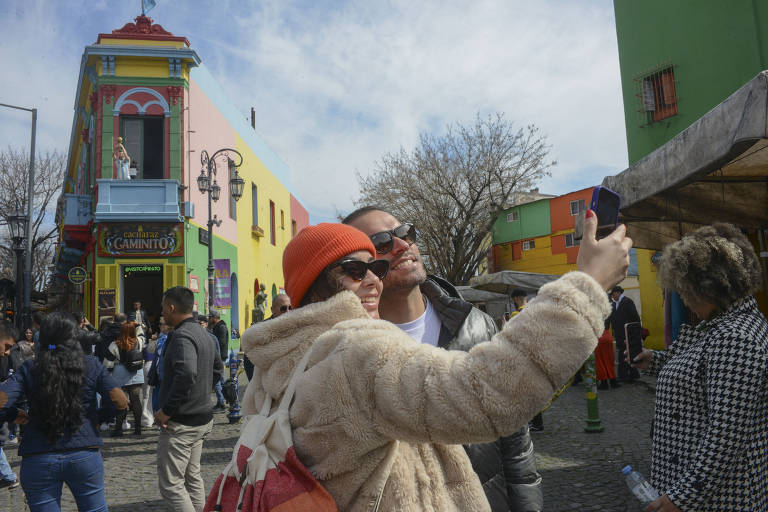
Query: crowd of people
pixel 412 399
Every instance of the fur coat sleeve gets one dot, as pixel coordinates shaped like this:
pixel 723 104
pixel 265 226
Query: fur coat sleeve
pixel 373 377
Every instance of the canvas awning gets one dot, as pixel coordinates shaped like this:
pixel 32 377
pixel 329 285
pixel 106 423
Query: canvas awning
pixel 507 280
pixel 474 295
pixel 715 170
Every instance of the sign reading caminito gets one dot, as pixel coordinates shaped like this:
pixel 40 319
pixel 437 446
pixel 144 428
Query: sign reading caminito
pixel 141 240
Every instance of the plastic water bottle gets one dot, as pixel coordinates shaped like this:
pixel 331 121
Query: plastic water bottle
pixel 639 486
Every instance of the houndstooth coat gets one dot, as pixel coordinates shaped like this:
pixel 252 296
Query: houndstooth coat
pixel 710 440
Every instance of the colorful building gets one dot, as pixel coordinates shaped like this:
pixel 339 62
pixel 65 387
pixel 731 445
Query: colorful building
pixel 140 234
pixel 679 61
pixel 538 237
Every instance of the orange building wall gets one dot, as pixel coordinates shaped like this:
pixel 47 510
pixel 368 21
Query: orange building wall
pixel 560 209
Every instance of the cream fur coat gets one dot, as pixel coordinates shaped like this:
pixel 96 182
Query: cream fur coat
pixel 376 408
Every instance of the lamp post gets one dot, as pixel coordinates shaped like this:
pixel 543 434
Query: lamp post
pixel 206 182
pixel 17 225
pixel 30 197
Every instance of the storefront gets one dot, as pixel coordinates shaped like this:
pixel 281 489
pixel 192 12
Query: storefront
pixel 137 262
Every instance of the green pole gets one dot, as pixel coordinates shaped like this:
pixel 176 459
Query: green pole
pixel 590 383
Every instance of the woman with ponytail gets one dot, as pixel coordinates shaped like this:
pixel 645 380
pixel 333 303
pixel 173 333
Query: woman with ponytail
pixel 60 435
pixel 125 351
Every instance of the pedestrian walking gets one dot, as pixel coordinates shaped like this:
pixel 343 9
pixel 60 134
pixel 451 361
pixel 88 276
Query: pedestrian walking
pixel 377 416
pixel 624 312
pixel 605 372
pixel 8 335
pixel 221 403
pixel 126 354
pixel 190 368
pixel 710 438
pixel 60 438
pixel 431 311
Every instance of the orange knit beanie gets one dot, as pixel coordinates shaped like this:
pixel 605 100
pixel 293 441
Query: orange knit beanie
pixel 313 249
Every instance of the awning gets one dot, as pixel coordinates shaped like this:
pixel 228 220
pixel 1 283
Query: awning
pixel 474 296
pixel 715 170
pixel 507 280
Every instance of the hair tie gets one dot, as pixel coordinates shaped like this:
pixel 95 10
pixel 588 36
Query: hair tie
pixel 51 347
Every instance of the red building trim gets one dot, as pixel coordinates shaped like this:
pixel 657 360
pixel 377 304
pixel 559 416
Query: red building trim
pixel 142 29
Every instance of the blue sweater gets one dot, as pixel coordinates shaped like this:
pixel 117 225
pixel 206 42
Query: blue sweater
pixel 95 380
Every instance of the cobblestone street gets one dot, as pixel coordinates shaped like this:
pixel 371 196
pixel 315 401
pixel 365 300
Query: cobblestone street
pixel 581 471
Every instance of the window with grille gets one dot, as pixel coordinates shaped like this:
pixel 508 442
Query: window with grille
pixel 577 206
pixel 570 242
pixel 528 245
pixel 657 95
pixel 513 216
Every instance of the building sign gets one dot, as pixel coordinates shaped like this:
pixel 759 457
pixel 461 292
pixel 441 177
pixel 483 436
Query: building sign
pixel 222 298
pixel 203 236
pixel 107 302
pixel 129 270
pixel 141 240
pixel 77 275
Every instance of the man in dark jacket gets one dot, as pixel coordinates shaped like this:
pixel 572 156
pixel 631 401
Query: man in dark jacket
pixel 190 368
pixel 219 329
pixel 624 312
pixel 431 311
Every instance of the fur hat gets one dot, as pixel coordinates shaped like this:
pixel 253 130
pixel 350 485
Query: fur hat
pixel 313 249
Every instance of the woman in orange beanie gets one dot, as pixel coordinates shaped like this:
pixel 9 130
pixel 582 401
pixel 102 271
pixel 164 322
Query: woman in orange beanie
pixel 379 418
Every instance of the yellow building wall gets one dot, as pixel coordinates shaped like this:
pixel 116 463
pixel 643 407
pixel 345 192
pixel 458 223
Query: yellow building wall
pixel 142 42
pixel 257 257
pixel 652 297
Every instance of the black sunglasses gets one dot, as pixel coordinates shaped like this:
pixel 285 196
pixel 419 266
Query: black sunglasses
pixel 384 241
pixel 285 308
pixel 357 269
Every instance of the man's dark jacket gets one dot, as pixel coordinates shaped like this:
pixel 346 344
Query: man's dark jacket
pixel 144 319
pixel 190 369
pixel 624 313
pixel 506 467
pixel 222 334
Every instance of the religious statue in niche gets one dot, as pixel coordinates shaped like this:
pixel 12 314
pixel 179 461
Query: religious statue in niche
pixel 122 160
pixel 261 304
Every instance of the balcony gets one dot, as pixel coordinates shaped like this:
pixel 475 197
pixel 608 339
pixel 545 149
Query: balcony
pixel 138 200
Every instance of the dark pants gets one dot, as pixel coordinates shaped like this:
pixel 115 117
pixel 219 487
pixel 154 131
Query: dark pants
pixel 625 371
pixel 134 395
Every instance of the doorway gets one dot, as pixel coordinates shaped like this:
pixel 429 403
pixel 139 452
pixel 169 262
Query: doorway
pixel 143 283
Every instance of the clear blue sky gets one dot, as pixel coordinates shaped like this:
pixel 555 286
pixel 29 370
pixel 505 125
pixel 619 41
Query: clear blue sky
pixel 337 84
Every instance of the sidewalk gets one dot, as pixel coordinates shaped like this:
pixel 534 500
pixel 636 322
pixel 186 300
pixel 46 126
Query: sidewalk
pixel 582 471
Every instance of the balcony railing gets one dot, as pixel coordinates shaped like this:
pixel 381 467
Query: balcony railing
pixel 138 200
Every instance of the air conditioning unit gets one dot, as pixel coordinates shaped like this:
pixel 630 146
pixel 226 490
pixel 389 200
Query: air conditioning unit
pixel 189 209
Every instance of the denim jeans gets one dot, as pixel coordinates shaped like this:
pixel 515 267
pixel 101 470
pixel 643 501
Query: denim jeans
pixel 42 477
pixel 6 473
pixel 219 395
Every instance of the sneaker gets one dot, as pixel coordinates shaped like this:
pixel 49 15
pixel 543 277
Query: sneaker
pixel 104 427
pixel 126 425
pixel 219 408
pixel 12 440
pixel 10 484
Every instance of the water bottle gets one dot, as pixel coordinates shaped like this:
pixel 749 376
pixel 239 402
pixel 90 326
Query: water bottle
pixel 640 486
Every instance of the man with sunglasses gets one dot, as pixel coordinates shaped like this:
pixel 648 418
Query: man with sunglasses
pixel 431 311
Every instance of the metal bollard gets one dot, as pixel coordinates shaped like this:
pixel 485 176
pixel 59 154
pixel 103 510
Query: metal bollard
pixel 590 383
pixel 235 360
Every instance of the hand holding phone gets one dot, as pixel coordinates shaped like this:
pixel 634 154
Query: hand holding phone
pixel 605 203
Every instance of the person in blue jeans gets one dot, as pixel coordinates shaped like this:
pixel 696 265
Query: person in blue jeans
pixel 221 403
pixel 8 335
pixel 60 433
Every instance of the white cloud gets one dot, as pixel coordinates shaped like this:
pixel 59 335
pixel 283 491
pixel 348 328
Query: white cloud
pixel 337 85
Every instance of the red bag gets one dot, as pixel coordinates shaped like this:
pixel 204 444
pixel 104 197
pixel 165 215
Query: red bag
pixel 265 474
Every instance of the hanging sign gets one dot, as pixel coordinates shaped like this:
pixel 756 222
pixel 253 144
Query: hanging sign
pixel 77 275
pixel 141 240
pixel 222 298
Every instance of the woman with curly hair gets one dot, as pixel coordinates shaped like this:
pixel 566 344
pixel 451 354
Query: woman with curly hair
pixel 711 421
pixel 60 436
pixel 126 346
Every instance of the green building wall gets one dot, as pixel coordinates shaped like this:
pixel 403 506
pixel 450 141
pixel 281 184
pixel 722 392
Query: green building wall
pixel 533 220
pixel 714 46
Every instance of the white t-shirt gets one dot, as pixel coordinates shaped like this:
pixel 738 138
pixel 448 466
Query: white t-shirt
pixel 426 328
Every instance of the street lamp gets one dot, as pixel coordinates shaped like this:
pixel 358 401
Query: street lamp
pixel 17 225
pixel 206 182
pixel 30 200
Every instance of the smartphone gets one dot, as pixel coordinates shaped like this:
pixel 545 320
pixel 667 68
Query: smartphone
pixel 606 204
pixel 634 340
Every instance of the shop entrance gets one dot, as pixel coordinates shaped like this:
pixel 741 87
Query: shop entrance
pixel 143 283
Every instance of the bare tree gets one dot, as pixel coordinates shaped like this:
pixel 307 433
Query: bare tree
pixel 454 186
pixel 14 177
